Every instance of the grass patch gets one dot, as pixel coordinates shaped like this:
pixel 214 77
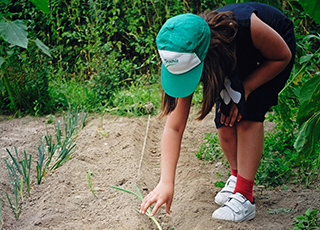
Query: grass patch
pixel 210 149
pixel 136 101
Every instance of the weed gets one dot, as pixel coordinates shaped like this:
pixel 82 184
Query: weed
pixel 89 180
pixel 310 220
pixel 210 149
pixel 279 210
pixel 219 184
pixel 139 195
pixel 136 101
pixel 50 119
pixel 275 167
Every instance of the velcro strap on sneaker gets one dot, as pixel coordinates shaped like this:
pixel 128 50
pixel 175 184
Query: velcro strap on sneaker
pixel 227 189
pixel 238 197
pixel 235 202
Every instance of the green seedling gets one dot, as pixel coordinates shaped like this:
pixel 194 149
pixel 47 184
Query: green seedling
pixel 41 169
pixel 65 153
pixel 58 132
pixel 89 180
pixel 17 208
pixel 52 148
pixel 17 186
pixel 139 195
pixel 65 146
pixel 22 167
pixel 83 117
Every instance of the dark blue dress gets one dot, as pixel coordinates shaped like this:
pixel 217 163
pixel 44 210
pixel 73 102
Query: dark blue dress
pixel 249 58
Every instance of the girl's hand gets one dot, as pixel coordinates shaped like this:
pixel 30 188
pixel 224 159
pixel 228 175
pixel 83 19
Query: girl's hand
pixel 162 193
pixel 232 117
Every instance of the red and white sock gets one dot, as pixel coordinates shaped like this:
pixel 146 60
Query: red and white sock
pixel 245 187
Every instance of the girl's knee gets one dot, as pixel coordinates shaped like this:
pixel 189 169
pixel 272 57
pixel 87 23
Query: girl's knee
pixel 249 125
pixel 227 134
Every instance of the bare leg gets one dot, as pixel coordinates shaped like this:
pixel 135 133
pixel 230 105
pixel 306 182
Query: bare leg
pixel 228 142
pixel 250 137
pixel 249 143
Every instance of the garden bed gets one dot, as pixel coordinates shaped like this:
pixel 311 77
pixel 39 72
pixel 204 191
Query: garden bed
pixel 118 151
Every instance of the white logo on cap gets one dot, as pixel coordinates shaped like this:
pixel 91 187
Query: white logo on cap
pixel 179 63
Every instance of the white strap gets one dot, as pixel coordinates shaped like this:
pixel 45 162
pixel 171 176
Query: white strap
pixel 228 93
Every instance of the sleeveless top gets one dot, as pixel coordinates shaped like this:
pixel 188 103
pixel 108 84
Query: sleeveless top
pixel 248 57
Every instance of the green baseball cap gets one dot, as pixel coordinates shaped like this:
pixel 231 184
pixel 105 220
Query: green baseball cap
pixel 182 43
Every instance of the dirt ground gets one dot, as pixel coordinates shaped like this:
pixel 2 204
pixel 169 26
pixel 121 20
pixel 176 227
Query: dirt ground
pixel 119 151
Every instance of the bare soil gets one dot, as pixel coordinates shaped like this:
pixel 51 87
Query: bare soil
pixel 119 151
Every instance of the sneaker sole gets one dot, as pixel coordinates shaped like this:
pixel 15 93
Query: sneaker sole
pixel 248 218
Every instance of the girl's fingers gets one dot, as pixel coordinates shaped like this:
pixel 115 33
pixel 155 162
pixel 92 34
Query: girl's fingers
pixel 156 207
pixel 223 118
pixel 168 206
pixel 239 117
pixel 146 204
pixel 233 116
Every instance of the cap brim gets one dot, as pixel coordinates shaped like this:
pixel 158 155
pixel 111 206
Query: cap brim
pixel 181 85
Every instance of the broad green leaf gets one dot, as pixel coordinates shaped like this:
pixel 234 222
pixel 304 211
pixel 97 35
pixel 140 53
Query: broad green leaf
pixel 42 5
pixel 43 47
pixel 305 58
pixel 312 7
pixel 309 99
pixel 14 32
pixel 309 135
pixel 1 61
pixel 308 37
pixel 298 76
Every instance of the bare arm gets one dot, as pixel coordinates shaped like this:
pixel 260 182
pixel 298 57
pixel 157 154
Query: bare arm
pixel 170 151
pixel 273 48
pixel 277 54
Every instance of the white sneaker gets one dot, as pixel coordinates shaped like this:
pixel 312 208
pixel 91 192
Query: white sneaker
pixel 223 196
pixel 237 208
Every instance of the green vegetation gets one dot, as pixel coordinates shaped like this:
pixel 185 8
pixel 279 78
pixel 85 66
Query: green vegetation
pixel 291 151
pixel 23 167
pixel 210 150
pixel 19 170
pixel 310 220
pixel 101 56
pixel 89 180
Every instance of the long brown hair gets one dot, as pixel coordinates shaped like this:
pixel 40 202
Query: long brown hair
pixel 220 61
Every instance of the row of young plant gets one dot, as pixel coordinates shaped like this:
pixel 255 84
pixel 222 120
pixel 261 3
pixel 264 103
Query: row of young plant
pixel 52 153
